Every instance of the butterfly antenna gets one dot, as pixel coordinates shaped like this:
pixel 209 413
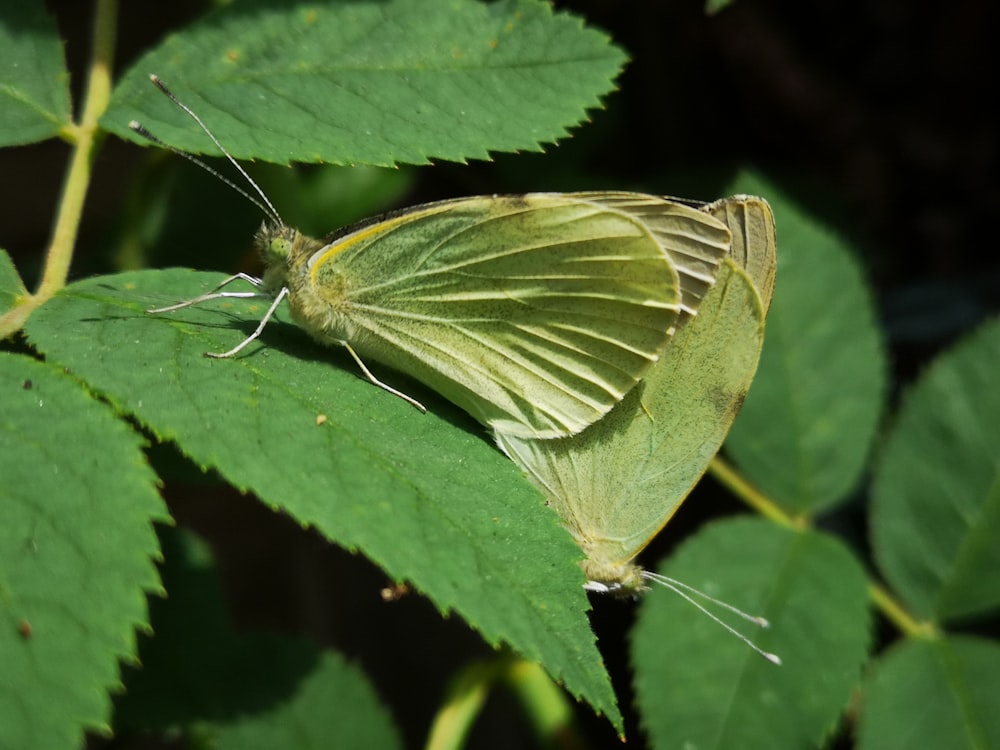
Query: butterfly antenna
pixel 260 200
pixel 681 590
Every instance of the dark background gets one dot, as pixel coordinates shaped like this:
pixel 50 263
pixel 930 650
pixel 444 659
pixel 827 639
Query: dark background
pixel 880 116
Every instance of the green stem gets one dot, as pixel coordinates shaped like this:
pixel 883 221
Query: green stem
pixel 466 696
pixel 550 712
pixel 724 472
pixel 85 137
pixel 893 611
pixel 95 102
pixel 890 608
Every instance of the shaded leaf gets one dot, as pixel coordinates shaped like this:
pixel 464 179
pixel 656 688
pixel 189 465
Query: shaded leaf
pixel 34 83
pixel 241 689
pixel 306 720
pixel 936 494
pixel 697 686
pixel 714 6
pixel 193 666
pixel 939 693
pixel 807 427
pixel 11 286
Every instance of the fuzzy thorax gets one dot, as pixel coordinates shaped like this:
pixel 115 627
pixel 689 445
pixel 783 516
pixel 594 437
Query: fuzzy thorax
pixel 316 283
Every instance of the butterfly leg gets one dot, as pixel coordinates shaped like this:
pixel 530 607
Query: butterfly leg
pixel 216 294
pixel 267 316
pixel 379 383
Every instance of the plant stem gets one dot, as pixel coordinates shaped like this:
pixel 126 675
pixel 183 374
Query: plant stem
pixel 95 101
pixel 85 137
pixel 724 472
pixel 896 614
pixel 890 608
pixel 465 699
pixel 545 703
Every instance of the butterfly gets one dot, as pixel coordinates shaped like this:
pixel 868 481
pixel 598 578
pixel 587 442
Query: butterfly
pixel 617 483
pixel 535 313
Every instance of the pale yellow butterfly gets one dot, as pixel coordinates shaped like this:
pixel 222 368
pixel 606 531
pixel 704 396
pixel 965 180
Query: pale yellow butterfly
pixel 618 482
pixel 535 313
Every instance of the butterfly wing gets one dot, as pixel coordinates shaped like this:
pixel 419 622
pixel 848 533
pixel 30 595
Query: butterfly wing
pixel 691 245
pixel 535 313
pixel 619 481
pixel 751 222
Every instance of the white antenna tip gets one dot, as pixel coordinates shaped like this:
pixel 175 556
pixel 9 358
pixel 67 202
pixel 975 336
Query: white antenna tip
pixel 678 588
pixel 154 78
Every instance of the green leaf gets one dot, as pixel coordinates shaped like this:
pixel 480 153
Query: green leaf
pixel 426 501
pixel 403 81
pixel 11 287
pixel 936 494
pixel 193 666
pixel 335 706
pixel 807 427
pixel 714 6
pixel 34 83
pixel 940 693
pixel 697 686
pixel 241 689
pixel 76 542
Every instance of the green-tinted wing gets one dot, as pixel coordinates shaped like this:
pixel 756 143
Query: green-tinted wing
pixel 754 243
pixel 535 313
pixel 619 481
pixel 693 246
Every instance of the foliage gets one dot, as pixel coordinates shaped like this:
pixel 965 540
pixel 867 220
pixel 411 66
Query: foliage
pixel 93 387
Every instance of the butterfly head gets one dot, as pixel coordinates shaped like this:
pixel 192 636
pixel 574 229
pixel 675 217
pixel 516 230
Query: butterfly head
pixel 276 244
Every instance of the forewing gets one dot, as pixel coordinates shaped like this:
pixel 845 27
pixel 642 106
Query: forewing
pixel 535 313
pixel 754 247
pixel 695 245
